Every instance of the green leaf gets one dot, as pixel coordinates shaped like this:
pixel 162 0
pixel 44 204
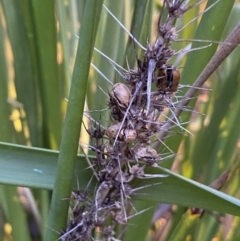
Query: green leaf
pixel 140 224
pixel 23 75
pixel 184 227
pixel 71 130
pixel 174 189
pixel 15 213
pixel 5 124
pixel 177 189
pixel 49 85
pixel 35 167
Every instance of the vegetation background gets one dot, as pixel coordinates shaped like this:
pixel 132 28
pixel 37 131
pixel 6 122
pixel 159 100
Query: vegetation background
pixel 47 45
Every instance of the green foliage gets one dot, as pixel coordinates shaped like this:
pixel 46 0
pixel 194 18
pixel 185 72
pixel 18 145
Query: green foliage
pixel 41 60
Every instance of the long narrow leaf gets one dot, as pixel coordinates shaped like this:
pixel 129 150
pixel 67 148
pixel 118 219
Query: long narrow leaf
pixel 69 145
pixel 174 189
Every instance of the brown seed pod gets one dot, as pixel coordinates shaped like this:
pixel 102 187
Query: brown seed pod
pixel 121 95
pixel 112 131
pixel 146 153
pixel 130 135
pixel 127 135
pixel 168 79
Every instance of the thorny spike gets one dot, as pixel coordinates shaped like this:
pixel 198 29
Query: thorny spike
pixel 204 41
pixel 67 233
pixel 145 186
pixel 136 214
pixel 90 118
pixel 199 15
pixel 101 74
pixel 194 49
pixel 125 148
pixel 130 35
pixel 120 74
pixel 123 207
pixel 88 161
pixel 192 87
pixel 151 67
pixel 177 123
pixel 109 59
pixel 121 177
pixel 162 142
pixel 102 90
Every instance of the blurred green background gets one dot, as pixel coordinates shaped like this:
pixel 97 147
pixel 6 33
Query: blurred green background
pixel 38 49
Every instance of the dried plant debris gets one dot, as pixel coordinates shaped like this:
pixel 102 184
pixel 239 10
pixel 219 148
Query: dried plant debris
pixel 123 150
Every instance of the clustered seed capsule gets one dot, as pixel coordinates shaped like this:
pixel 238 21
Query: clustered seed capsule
pixel 127 135
pixel 120 96
pixel 146 153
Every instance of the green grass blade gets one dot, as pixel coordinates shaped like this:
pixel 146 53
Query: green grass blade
pixel 69 144
pixel 35 167
pixel 177 189
pixel 23 76
pixel 33 100
pixel 202 154
pixel 140 224
pixel 5 124
pixel 181 232
pixel 19 162
pixel 45 40
pixel 15 213
pixel 65 43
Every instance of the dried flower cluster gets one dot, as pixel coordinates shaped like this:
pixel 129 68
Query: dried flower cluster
pixel 135 112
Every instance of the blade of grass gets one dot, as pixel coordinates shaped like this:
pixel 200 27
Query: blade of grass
pixel 177 189
pixel 177 218
pixel 35 167
pixel 17 164
pixel 207 228
pixel 23 75
pixel 35 112
pixel 9 198
pixel 181 232
pixel 64 43
pixel 15 213
pixel 5 124
pixel 140 224
pixel 46 42
pixel 226 97
pixel 69 144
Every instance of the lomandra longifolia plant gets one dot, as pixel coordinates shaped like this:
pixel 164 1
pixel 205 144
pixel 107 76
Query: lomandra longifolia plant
pixel 124 149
